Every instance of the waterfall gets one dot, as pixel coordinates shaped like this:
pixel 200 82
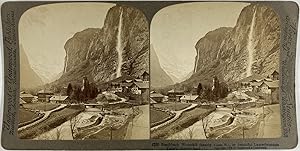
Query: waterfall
pixel 66 63
pixel 250 46
pixel 196 64
pixel 119 46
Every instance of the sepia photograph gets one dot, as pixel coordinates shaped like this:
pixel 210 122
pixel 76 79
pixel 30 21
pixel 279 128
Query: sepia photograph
pixel 84 72
pixel 215 71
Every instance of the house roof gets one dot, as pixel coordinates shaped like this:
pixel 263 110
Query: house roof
pixel 142 85
pixel 46 91
pixel 273 84
pixel 128 81
pixel 268 79
pixel 115 83
pixel 145 73
pixel 58 98
pixel 22 101
pixel 256 83
pixel 152 101
pixel 138 80
pixel 156 95
pixel 26 95
pixel 189 97
pixel 126 84
pixel 252 77
pixel 275 72
pixel 175 91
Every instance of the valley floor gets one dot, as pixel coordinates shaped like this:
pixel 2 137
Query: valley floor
pixel 221 122
pixel 124 122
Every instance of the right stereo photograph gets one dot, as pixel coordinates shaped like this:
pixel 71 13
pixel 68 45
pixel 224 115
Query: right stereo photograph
pixel 214 71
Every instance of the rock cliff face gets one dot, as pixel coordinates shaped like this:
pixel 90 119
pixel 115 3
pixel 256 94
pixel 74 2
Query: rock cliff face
pixel 249 48
pixel 158 76
pixel 28 78
pixel 93 52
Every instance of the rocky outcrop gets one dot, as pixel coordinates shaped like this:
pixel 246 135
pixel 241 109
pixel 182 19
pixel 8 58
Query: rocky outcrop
pixel 158 76
pixel 252 43
pixel 28 77
pixel 92 52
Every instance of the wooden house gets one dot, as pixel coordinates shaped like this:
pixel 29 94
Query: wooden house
pixel 271 91
pixel 26 97
pixel 189 98
pixel 139 87
pixel 60 99
pixel 157 97
pixel 175 95
pixel 44 95
pixel 145 76
pixel 275 75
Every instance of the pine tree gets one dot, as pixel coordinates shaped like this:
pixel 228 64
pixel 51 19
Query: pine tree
pixel 69 89
pixel 199 89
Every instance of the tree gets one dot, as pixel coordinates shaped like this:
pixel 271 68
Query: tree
pixel 75 95
pixel 199 89
pixel 73 125
pixel 93 90
pixel 205 123
pixel 69 89
pixel 190 133
pixel 58 133
pixel 216 87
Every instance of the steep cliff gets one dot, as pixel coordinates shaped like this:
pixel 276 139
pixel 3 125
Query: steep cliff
pixel 251 47
pixel 28 77
pixel 95 52
pixel 158 76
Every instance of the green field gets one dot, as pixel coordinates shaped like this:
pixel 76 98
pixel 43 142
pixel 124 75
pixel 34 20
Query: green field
pixel 156 116
pixel 55 119
pixel 174 106
pixel 25 116
pixel 186 119
pixel 40 106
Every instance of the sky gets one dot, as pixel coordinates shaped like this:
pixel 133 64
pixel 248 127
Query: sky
pixel 176 29
pixel 44 30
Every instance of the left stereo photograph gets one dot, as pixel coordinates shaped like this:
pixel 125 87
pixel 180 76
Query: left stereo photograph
pixel 84 72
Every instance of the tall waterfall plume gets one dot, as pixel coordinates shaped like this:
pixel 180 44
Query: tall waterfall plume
pixel 119 46
pixel 250 45
pixel 197 59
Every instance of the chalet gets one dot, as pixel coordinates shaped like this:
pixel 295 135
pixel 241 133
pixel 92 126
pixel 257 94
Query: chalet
pixel 44 95
pixel 275 75
pixel 189 98
pixel 157 97
pixel 60 99
pixel 125 86
pixel 269 87
pixel 145 76
pixel 26 97
pixel 270 91
pixel 255 86
pixel 175 95
pixel 116 87
pixel 139 87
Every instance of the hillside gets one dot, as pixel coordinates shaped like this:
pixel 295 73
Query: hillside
pixel 28 77
pixel 158 76
pixel 250 47
pixel 94 52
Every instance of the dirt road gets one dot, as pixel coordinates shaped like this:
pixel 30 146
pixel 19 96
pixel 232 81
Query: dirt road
pixel 270 127
pixel 139 128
